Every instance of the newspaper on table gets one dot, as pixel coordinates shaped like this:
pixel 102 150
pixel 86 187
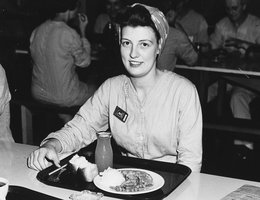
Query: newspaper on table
pixel 245 192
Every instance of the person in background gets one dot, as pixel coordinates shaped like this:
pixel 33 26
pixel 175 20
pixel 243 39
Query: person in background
pixel 112 8
pixel 5 97
pixel 193 24
pixel 56 50
pixel 152 114
pixel 105 38
pixel 236 33
pixel 177 48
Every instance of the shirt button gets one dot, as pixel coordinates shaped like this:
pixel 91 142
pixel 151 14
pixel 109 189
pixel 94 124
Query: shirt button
pixel 141 137
pixel 141 110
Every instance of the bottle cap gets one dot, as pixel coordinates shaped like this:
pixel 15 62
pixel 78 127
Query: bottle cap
pixel 104 134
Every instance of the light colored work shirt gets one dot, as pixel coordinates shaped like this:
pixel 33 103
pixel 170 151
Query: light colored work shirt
pixel 195 26
pixel 57 50
pixel 5 97
pixel 177 47
pixel 249 31
pixel 166 126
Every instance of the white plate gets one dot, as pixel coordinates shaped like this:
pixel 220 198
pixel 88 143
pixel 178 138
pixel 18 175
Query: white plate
pixel 158 182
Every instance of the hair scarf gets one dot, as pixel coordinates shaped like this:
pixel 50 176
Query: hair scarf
pixel 159 21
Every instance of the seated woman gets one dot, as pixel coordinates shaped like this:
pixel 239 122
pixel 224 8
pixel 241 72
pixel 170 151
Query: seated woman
pixel 161 112
pixel 5 97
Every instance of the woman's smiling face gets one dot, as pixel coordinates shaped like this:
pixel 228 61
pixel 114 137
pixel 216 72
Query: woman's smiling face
pixel 139 50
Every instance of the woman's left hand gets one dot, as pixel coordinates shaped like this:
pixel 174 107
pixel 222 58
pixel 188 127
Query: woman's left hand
pixel 83 22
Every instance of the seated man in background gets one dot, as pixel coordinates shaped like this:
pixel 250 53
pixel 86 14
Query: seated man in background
pixel 57 50
pixel 5 97
pixel 177 47
pixel 236 33
pixel 193 24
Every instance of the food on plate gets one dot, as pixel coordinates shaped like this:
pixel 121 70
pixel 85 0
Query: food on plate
pixel 126 180
pixel 112 177
pixel 86 195
pixel 135 181
pixel 87 170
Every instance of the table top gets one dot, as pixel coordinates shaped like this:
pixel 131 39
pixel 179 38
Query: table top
pixel 197 186
pixel 225 63
pixel 225 70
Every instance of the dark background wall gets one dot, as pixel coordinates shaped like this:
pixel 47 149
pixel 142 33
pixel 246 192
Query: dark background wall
pixel 23 15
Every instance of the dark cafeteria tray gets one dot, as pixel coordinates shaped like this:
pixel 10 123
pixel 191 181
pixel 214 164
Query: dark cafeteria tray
pixel 22 193
pixel 173 174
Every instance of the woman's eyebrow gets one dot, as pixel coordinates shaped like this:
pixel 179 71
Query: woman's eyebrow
pixel 142 40
pixel 146 40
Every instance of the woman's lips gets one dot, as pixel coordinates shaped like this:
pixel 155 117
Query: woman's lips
pixel 135 63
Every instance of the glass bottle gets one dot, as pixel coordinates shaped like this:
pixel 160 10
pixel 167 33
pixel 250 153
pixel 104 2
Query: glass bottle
pixel 103 152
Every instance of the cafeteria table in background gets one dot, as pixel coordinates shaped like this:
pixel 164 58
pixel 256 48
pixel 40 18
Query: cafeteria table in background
pixel 240 76
pixel 222 67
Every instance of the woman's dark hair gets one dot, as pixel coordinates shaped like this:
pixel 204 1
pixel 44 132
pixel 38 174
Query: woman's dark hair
pixel 186 4
pixel 64 5
pixel 138 16
pixel 57 6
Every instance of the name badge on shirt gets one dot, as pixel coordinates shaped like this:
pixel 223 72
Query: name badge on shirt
pixel 120 114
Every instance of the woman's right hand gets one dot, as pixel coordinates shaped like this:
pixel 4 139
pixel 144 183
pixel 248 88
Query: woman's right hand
pixel 43 157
